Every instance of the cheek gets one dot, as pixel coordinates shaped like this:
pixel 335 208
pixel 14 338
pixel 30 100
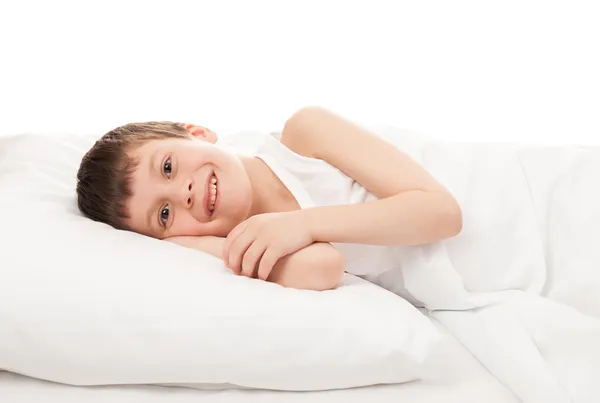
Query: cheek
pixel 208 155
pixel 185 224
pixel 190 159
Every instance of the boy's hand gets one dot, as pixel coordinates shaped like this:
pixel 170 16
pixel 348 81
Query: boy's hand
pixel 260 241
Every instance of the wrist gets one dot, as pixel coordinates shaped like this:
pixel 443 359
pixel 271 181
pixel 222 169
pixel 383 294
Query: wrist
pixel 213 245
pixel 315 222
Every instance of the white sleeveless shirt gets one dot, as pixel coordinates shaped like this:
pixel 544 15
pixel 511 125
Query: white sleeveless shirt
pixel 314 182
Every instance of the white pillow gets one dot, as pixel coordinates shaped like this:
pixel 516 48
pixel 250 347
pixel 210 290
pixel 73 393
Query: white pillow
pixel 84 304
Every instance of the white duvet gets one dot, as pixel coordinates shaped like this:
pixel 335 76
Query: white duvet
pixel 520 286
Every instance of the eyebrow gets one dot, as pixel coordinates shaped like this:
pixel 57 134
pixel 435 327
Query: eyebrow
pixel 152 173
pixel 152 164
pixel 149 215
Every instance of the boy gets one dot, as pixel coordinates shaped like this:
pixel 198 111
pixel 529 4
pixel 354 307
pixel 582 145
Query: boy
pixel 172 181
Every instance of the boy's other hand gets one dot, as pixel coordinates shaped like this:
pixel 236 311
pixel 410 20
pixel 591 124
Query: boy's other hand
pixel 254 246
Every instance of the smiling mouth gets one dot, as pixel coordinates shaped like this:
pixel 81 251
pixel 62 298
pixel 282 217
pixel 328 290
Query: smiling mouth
pixel 212 195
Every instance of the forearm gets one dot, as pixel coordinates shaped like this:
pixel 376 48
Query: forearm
pixel 409 218
pixel 209 244
pixel 316 267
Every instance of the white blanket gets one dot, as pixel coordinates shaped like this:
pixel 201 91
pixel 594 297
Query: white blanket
pixel 520 286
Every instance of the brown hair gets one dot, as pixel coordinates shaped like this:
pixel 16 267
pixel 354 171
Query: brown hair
pixel 104 176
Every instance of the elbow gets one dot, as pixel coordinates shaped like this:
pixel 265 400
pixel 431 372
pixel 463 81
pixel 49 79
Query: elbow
pixel 331 266
pixel 318 267
pixel 451 218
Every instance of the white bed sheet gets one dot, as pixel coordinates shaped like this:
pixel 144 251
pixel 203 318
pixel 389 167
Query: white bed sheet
pixel 454 375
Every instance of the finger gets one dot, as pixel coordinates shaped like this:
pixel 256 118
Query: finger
pixel 237 251
pixel 268 260
pixel 251 257
pixel 230 240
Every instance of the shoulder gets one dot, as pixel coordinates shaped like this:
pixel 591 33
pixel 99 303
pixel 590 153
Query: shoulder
pixel 299 132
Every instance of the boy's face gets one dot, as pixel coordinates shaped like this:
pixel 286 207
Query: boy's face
pixel 187 187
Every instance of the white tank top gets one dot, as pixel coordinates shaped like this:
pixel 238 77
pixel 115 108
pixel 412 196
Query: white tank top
pixel 314 182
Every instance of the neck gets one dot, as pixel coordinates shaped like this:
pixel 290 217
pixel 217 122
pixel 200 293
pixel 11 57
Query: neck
pixel 269 194
pixel 259 184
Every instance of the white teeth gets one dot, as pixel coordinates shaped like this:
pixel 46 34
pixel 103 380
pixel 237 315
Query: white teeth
pixel 213 193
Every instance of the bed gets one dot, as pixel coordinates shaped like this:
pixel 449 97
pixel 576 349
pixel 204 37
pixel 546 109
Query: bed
pixel 510 308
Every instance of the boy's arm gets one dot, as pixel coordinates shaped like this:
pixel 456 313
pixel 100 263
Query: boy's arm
pixel 318 266
pixel 413 207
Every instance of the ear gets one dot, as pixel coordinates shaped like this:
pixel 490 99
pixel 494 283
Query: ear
pixel 201 132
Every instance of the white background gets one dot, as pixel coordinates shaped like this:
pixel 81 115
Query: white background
pixel 465 70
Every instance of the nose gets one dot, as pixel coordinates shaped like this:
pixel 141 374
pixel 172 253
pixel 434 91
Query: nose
pixel 188 194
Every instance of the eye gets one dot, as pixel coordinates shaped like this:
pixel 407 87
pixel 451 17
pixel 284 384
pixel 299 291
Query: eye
pixel 164 215
pixel 167 167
